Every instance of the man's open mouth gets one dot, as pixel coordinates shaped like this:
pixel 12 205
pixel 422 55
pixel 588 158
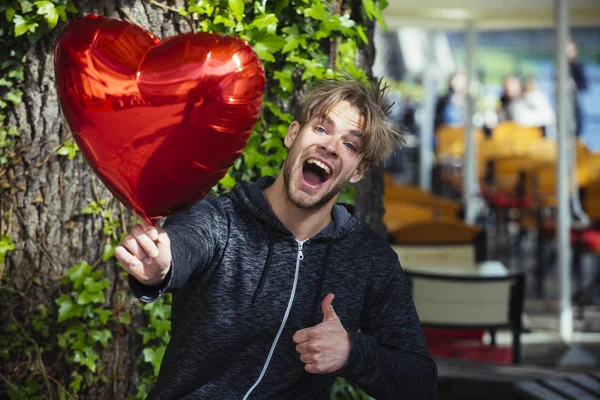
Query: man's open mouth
pixel 315 172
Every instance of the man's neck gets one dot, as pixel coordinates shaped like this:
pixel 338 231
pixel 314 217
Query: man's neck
pixel 303 223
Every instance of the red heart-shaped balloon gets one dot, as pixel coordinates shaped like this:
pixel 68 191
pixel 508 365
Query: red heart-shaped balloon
pixel 159 122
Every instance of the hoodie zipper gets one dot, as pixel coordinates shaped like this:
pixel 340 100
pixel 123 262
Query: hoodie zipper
pixel 299 258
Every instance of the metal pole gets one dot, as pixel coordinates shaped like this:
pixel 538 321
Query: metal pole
pixel 562 190
pixel 470 172
pixel 428 116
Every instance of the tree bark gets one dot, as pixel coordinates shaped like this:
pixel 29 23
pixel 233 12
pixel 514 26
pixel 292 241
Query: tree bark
pixel 41 210
pixel 369 196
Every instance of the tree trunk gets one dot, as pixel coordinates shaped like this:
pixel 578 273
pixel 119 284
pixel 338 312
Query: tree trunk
pixel 41 211
pixel 369 196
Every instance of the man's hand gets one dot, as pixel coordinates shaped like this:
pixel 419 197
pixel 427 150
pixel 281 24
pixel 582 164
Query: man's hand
pixel 324 348
pixel 146 253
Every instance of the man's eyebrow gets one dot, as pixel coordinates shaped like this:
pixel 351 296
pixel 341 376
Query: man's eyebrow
pixel 326 119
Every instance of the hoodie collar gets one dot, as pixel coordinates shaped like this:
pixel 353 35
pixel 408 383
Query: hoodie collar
pixel 344 217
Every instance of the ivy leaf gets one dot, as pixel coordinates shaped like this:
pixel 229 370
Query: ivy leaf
pixel 361 34
pixel 69 148
pixel 124 319
pixel 86 297
pixel 285 80
pixel 267 45
pixel 87 358
pixel 22 26
pixel 103 314
pixel 14 97
pixel 237 8
pixel 78 273
pixel 154 356
pixel 48 10
pixel 101 336
pixel 317 11
pixel 219 19
pixel 66 308
pixel 6 245
pixel 227 181
pixel 62 13
pixel 10 13
pixel 93 285
pixel 109 251
pixel 267 22
pixel 147 335
pixel 26 6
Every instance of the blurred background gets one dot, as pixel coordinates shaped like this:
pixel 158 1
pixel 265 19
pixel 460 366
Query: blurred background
pixel 498 183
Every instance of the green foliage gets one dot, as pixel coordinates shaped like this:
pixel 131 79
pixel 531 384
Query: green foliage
pixel 6 245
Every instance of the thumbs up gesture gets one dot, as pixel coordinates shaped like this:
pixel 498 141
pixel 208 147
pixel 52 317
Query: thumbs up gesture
pixel 324 348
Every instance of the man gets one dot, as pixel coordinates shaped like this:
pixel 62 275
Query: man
pixel 254 274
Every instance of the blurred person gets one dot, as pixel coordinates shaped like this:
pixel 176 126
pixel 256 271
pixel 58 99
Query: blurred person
pixel 451 108
pixel 533 108
pixel 511 91
pixel 579 84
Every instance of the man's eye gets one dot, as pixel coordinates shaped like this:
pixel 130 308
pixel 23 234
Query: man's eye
pixel 350 146
pixel 320 129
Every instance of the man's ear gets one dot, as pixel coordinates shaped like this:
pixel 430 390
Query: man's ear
pixel 358 174
pixel 291 134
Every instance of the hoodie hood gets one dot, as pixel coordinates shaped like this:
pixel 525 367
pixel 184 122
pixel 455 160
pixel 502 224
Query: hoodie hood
pixel 344 217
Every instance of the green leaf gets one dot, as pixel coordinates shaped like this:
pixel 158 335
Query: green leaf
pixel 285 80
pixel 101 336
pixel 125 319
pixel 268 44
pixel 94 286
pixel 71 7
pixel 87 357
pixel 227 181
pixel 267 22
pixel 5 83
pixel 48 10
pixel 219 19
pixel 237 8
pixel 154 357
pixel 6 245
pixel 22 26
pixel 317 11
pixel 103 314
pixel 78 273
pixel 67 309
pixel 26 6
pixel 16 73
pixel 69 148
pixel 86 297
pixel 109 251
pixel 10 13
pixel 62 13
pixel 361 34
pixel 14 97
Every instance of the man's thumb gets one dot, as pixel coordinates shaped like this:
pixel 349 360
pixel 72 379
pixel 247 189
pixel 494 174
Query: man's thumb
pixel 327 306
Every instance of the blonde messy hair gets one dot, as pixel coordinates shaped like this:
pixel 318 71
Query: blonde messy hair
pixel 380 137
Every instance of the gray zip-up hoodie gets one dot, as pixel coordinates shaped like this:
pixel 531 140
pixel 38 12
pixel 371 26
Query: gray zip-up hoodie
pixel 243 285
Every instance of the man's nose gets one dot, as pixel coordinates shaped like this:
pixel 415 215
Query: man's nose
pixel 331 145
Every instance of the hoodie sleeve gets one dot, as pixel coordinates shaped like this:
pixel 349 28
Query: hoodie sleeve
pixel 196 236
pixel 389 358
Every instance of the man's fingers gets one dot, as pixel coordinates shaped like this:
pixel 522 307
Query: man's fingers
pixel 327 307
pixel 308 358
pixel 147 244
pixel 151 229
pixel 301 336
pixel 132 245
pixel 128 260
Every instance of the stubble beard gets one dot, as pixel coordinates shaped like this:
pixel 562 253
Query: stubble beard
pixel 319 203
